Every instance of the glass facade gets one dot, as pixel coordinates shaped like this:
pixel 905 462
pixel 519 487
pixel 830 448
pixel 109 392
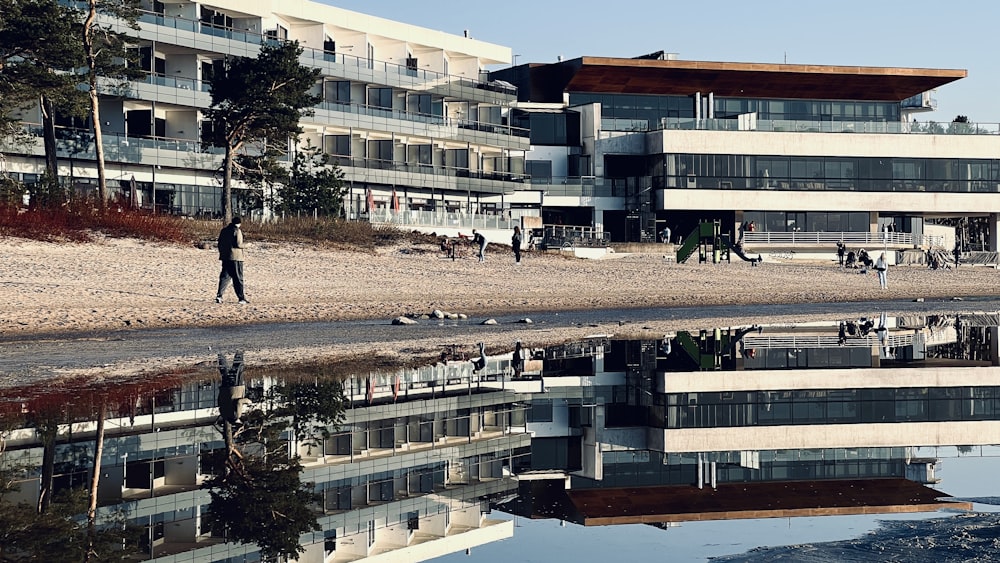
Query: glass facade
pixel 831 406
pixel 819 173
pixel 649 109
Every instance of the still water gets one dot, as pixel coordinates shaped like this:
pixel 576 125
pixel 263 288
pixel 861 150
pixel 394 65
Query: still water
pixel 866 439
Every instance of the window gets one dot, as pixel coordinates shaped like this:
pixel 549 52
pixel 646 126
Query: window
pixel 458 158
pixel 380 150
pixel 278 34
pixel 411 66
pixel 541 411
pixel 425 104
pixel 337 145
pixel 337 91
pixel 380 97
pixel 579 165
pixel 490 114
pixel 420 154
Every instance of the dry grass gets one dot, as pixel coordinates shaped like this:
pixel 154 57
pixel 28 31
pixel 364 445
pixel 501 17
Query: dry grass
pixel 82 224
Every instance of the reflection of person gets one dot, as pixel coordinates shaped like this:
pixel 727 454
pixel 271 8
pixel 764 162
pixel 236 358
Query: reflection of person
pixel 881 266
pixel 231 255
pixel 515 243
pixel 480 362
pixel 479 239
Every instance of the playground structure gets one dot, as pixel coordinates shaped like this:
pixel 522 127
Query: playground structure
pixel 711 349
pixel 711 244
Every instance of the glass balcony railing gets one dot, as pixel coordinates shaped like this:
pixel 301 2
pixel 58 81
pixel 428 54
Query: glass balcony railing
pixel 802 126
pixel 429 119
pixel 177 82
pixel 319 55
pixel 414 168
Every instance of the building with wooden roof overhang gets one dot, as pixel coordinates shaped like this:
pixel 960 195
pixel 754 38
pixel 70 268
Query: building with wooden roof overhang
pixel 811 154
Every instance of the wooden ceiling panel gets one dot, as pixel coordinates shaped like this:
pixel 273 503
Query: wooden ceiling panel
pixel 634 76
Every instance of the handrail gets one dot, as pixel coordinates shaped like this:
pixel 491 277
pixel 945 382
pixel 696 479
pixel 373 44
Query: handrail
pixel 250 36
pixel 801 126
pixel 430 119
pixel 850 238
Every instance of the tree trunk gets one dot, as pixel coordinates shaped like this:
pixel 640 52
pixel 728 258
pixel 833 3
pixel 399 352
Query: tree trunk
pixel 227 184
pixel 95 108
pixel 47 430
pixel 95 480
pixel 49 137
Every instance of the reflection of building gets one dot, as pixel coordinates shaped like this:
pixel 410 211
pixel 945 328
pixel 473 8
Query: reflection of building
pixel 404 478
pixel 689 417
pixel 689 427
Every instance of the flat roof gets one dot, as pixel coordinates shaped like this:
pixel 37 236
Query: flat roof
pixel 731 79
pixel 600 507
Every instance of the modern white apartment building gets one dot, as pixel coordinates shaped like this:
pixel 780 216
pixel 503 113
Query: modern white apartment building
pixel 630 146
pixel 408 112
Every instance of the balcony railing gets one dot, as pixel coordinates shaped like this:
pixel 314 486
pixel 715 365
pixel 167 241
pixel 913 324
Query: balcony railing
pixel 177 82
pixel 851 239
pixel 802 126
pixel 440 218
pixel 377 164
pixel 253 37
pixel 430 119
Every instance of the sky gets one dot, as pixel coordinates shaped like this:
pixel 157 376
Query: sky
pixel 959 34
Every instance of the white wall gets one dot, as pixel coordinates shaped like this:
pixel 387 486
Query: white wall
pixel 824 144
pixel 785 200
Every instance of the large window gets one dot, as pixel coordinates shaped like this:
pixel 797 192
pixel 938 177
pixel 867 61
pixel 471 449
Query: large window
pixel 338 91
pixel 885 174
pixel 539 170
pixel 770 408
pixel 337 145
pixel 647 110
pixel 555 128
pixel 380 97
pixel 380 150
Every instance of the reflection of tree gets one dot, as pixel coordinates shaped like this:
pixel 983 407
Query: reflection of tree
pixel 51 529
pixel 259 498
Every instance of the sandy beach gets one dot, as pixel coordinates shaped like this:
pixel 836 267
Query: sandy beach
pixel 60 289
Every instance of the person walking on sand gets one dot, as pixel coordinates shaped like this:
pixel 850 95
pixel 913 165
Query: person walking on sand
pixel 880 267
pixel 515 243
pixel 231 255
pixel 479 239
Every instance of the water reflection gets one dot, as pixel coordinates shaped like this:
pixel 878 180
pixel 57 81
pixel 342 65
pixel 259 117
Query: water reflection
pixel 815 419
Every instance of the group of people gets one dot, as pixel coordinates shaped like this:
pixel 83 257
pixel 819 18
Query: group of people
pixel 515 243
pixel 231 255
pixel 863 261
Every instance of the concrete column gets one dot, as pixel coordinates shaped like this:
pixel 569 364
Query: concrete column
pixel 994 333
pixel 994 223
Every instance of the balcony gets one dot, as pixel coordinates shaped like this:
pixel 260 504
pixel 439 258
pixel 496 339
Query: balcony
pixel 427 79
pixel 428 120
pixel 802 126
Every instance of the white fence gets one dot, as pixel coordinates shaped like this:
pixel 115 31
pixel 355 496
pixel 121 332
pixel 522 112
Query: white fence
pixel 455 220
pixel 851 239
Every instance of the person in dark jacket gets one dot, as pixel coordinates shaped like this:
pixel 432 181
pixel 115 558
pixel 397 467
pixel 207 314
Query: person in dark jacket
pixel 515 243
pixel 479 240
pixel 231 255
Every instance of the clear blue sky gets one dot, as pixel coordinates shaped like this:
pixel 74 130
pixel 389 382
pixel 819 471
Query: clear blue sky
pixel 960 34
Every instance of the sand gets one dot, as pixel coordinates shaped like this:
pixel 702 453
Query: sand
pixel 53 290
